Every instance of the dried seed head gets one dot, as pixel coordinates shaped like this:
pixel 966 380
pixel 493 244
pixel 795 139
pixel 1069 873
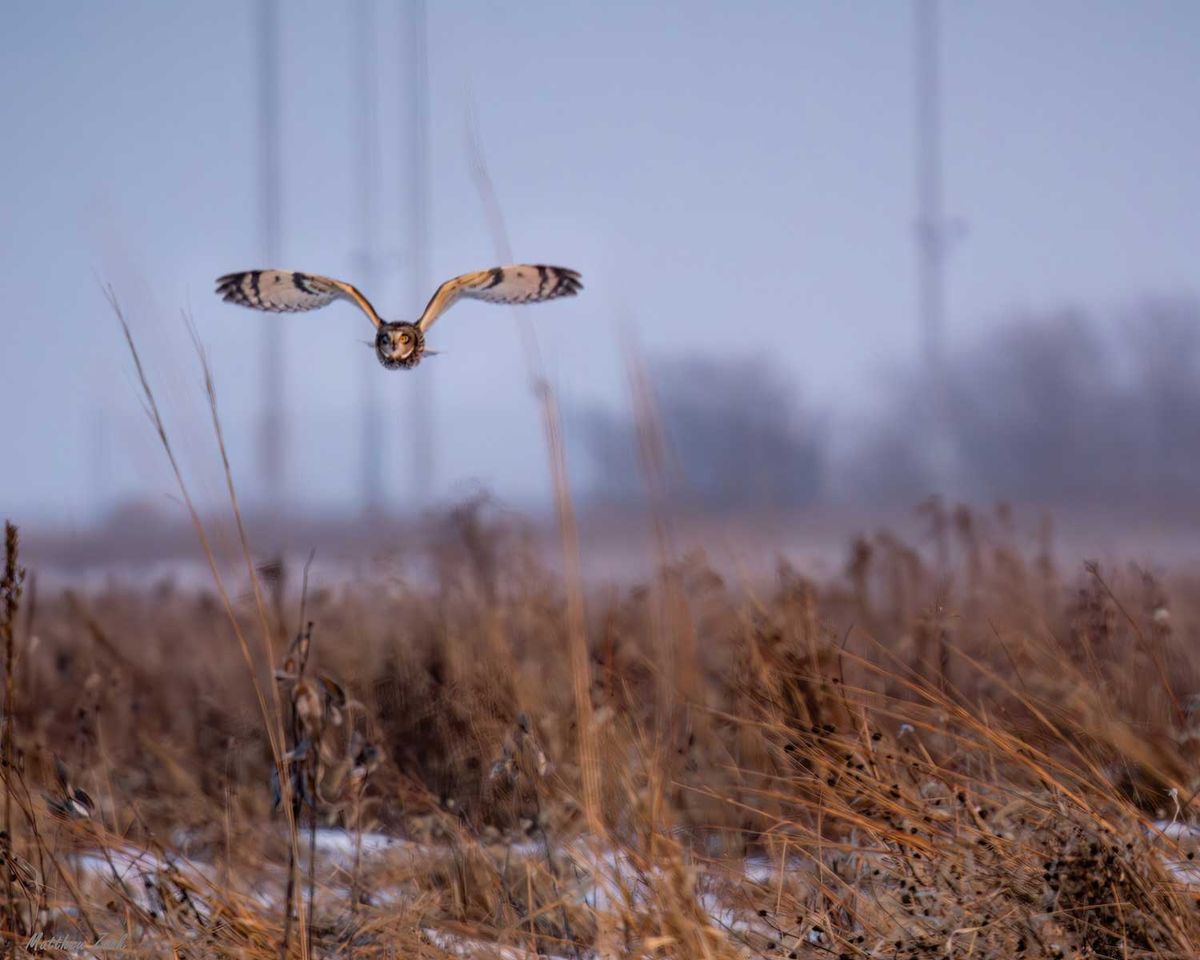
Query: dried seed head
pixel 309 707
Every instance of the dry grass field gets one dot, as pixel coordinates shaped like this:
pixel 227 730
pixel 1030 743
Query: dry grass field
pixel 952 749
pixel 959 751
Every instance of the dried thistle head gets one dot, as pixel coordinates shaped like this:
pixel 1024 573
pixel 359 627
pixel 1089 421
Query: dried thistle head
pixel 309 707
pixel 334 698
pixel 365 758
pixel 70 802
pixel 296 661
pixel 521 755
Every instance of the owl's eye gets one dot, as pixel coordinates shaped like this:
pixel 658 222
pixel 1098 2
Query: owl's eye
pixel 404 338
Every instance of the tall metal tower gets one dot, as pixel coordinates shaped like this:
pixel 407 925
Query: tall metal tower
pixel 272 436
pixel 934 233
pixel 366 94
pixel 416 122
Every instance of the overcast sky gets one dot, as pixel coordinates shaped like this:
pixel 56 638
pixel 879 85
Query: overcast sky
pixel 728 177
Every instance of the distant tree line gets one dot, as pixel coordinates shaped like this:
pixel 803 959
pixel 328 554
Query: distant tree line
pixel 1060 408
pixel 732 436
pixel 1056 408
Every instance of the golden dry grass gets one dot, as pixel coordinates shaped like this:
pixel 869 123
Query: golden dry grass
pixel 904 761
pixel 952 750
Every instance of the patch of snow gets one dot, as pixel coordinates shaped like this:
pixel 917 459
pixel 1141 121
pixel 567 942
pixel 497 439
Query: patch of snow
pixel 466 947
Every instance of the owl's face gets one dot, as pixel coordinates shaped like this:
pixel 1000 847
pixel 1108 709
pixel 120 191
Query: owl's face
pixel 399 345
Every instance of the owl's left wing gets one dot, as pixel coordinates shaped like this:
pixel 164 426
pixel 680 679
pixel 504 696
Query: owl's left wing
pixel 519 283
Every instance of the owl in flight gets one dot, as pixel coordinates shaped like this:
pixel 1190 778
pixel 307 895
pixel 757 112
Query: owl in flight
pixel 397 344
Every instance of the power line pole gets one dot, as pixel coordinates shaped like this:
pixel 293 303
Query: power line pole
pixel 366 93
pixel 272 426
pixel 933 232
pixel 418 200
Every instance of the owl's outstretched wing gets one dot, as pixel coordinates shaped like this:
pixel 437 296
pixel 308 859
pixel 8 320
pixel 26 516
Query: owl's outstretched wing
pixel 284 291
pixel 520 283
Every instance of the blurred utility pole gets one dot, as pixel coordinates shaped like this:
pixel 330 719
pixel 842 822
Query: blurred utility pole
pixel 100 478
pixel 416 122
pixel 375 427
pixel 934 234
pixel 272 436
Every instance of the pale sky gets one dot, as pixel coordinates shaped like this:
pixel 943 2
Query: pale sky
pixel 728 177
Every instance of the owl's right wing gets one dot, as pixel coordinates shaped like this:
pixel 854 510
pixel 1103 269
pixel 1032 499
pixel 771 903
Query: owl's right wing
pixel 285 291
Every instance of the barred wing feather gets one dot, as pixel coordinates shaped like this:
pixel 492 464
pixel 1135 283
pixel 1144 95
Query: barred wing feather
pixel 519 283
pixel 286 291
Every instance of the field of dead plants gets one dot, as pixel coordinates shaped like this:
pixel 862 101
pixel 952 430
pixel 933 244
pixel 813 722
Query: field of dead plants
pixel 954 746
pixel 959 749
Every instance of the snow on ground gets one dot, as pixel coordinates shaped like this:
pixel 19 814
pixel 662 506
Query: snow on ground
pixel 1182 849
pixel 466 947
pixel 602 878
